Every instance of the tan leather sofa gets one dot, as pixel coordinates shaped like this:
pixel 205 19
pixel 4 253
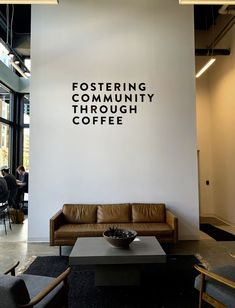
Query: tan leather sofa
pixel 84 220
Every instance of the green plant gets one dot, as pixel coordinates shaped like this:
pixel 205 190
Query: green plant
pixel 115 232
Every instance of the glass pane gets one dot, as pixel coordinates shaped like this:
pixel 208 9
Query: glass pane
pixel 26 110
pixel 26 148
pixel 4 144
pixel 27 63
pixel 5 97
pixel 4 57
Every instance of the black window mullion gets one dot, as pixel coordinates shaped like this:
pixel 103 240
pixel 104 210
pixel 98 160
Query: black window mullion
pixel 17 144
pixel 16 126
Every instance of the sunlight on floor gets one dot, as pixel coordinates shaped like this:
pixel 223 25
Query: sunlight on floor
pixel 19 232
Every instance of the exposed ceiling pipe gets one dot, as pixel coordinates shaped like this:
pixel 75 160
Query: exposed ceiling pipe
pixel 222 33
pixel 211 47
pixel 225 10
pixel 211 52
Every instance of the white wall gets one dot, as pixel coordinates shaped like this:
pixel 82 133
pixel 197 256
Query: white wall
pixel 216 126
pixel 204 145
pixel 152 156
pixel 222 80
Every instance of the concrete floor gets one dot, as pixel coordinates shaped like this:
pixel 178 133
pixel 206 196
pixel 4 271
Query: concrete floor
pixel 14 246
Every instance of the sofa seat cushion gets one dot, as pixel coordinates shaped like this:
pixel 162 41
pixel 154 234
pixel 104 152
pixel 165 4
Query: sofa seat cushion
pixel 148 212
pixel 80 213
pixel 68 231
pixel 113 213
pixel 80 230
pixel 150 229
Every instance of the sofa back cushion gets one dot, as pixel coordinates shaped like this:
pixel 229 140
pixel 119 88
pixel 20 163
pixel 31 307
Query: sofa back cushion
pixel 148 212
pixel 80 213
pixel 114 213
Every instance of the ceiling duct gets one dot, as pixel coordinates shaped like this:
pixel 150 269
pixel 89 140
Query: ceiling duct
pixel 211 52
pixel 222 33
pixel 226 10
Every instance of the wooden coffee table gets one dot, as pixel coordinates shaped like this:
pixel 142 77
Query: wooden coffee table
pixel 116 266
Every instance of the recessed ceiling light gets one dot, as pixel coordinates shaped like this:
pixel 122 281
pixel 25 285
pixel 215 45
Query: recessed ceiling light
pixel 228 2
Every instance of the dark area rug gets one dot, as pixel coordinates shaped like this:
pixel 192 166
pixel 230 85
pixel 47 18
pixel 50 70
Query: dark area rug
pixel 216 233
pixel 169 285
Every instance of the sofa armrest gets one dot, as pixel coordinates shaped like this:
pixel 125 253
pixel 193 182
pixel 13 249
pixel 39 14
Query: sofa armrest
pixel 55 222
pixel 172 221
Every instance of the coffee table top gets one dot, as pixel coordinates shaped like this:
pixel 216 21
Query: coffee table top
pixel 96 250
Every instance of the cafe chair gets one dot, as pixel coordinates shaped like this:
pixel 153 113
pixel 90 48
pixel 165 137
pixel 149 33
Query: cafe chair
pixel 24 203
pixel 33 291
pixel 216 288
pixel 4 215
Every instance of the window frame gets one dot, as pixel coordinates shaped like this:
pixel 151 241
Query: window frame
pixel 16 127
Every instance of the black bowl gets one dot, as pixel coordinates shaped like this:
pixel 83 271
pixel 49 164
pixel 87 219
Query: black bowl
pixel 121 242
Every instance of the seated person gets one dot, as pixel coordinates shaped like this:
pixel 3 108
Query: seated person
pixel 3 190
pixel 22 182
pixel 11 185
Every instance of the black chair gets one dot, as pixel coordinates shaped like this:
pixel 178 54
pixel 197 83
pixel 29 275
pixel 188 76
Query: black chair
pixel 33 291
pixel 216 288
pixel 24 203
pixel 4 214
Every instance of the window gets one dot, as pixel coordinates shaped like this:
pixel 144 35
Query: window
pixel 5 98
pixel 5 125
pixel 26 110
pixel 27 63
pixel 14 128
pixel 26 121
pixel 4 144
pixel 4 57
pixel 26 148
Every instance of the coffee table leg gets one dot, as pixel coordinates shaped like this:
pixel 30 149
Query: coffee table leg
pixel 117 275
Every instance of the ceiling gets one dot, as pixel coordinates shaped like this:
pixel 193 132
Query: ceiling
pixel 204 17
pixel 20 27
pixel 21 17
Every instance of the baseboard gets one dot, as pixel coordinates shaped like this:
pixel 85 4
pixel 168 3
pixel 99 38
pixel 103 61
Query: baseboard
pixel 207 215
pixel 225 221
pixel 186 237
pixel 38 240
pixel 217 217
